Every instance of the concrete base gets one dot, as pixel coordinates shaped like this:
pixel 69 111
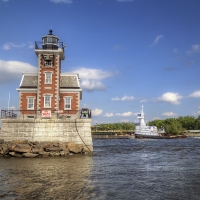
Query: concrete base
pixel 68 130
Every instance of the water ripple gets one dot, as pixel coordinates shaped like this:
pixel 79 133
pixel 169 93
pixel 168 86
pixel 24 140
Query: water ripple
pixel 118 169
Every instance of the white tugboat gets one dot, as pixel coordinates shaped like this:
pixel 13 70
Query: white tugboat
pixel 144 131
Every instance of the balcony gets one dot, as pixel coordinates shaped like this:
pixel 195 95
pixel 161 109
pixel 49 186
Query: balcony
pixel 49 46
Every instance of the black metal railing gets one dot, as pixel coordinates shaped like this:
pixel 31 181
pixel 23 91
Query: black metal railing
pixel 52 46
pixel 38 114
pixel 8 114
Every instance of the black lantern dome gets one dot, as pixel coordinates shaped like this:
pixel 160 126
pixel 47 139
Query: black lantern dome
pixel 50 41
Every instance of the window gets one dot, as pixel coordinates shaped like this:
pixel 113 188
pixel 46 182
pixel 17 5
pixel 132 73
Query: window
pixel 30 103
pixel 48 63
pixel 48 78
pixel 47 101
pixel 67 101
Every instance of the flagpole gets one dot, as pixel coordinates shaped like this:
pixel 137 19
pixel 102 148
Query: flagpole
pixel 9 101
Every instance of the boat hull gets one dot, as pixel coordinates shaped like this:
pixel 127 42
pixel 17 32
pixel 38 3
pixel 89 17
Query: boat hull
pixel 141 136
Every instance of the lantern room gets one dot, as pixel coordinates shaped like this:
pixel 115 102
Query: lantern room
pixel 50 41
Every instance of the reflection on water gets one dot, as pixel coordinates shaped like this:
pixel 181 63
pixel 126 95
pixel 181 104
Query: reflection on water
pixel 49 178
pixel 118 169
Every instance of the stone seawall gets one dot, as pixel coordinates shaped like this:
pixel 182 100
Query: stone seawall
pixel 51 130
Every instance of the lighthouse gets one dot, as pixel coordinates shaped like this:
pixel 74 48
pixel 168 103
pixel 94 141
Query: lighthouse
pixel 49 91
pixel 49 103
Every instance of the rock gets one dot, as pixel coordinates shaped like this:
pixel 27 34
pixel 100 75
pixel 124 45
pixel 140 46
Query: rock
pixel 5 149
pixel 18 155
pixel 15 154
pixel 16 141
pixel 35 150
pixel 23 148
pixel 35 142
pixel 1 141
pixel 70 144
pixel 44 144
pixel 53 149
pixel 41 151
pixel 12 153
pixel 11 146
pixel 46 154
pixel 1 147
pixel 64 151
pixel 56 144
pixel 24 142
pixel 84 149
pixel 30 143
pixel 30 155
pixel 75 149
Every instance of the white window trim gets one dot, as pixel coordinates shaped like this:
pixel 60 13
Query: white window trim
pixel 45 74
pixel 28 98
pixel 65 99
pixel 45 95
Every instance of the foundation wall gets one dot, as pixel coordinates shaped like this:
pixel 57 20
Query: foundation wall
pixel 69 130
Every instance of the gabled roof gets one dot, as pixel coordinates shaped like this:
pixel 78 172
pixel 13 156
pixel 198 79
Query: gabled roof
pixel 69 81
pixel 66 81
pixel 29 81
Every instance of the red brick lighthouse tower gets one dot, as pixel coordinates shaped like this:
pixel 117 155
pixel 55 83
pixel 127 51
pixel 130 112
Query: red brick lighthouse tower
pixel 49 68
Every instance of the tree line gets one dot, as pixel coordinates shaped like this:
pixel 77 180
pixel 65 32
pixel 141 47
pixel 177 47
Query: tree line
pixel 125 126
pixel 177 125
pixel 171 125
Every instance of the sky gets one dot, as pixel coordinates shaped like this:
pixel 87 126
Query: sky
pixel 128 53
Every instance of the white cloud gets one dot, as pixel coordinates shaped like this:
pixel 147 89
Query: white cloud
pixel 10 45
pixel 12 70
pixel 62 1
pixel 170 97
pixel 108 115
pixel 156 118
pixel 125 98
pixel 143 100
pixel 195 94
pixel 194 49
pixel 157 39
pixel 96 112
pixel 91 85
pixel 169 114
pixel 125 114
pixel 92 74
pixel 91 78
pixel 5 0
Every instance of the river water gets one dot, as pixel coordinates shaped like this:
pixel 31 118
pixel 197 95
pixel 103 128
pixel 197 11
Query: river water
pixel 118 169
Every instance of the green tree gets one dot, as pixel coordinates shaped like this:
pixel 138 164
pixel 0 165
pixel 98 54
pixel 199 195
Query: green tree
pixel 188 122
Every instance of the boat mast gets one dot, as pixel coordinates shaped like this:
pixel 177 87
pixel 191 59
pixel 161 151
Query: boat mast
pixel 142 122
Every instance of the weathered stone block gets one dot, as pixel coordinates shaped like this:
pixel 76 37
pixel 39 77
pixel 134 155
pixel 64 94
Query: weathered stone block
pixel 23 148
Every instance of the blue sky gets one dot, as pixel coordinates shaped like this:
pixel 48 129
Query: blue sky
pixel 128 53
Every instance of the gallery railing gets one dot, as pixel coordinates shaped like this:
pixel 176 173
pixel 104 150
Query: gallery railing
pixel 52 46
pixel 48 114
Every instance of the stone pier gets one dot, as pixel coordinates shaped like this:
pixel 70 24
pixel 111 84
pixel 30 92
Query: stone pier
pixel 42 130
